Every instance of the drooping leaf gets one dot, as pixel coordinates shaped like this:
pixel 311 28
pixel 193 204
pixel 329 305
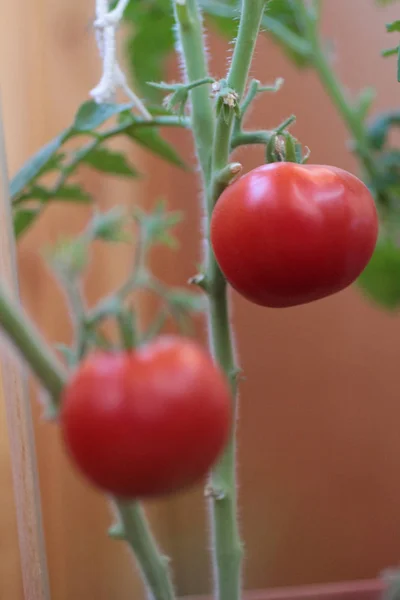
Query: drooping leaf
pixel 380 281
pixel 36 164
pixel 91 115
pixel 67 192
pixel 109 161
pixel 71 193
pixel 149 138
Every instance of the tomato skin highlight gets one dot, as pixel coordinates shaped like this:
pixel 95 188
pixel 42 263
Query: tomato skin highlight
pixel 147 422
pixel 286 234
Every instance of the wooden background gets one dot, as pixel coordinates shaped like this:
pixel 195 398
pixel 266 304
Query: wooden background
pixel 319 421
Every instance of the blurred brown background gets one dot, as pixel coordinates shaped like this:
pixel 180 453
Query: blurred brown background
pixel 319 461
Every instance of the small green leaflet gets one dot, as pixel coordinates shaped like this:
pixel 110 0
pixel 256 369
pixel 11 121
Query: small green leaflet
pixel 109 161
pixel 91 115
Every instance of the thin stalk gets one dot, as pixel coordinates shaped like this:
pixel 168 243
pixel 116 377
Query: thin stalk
pixel 190 34
pixel 22 333
pixel 153 565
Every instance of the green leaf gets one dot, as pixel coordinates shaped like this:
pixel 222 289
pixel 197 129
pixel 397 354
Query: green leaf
pixel 378 130
pixel 380 281
pixel 155 226
pixel 390 51
pixel 72 192
pixel 394 26
pixel 91 115
pixel 23 219
pixel 108 161
pixel 109 226
pixel 151 139
pixel 151 40
pixel 66 193
pixel 36 165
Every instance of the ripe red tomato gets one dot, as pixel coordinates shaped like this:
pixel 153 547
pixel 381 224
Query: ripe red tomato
pixel 287 234
pixel 147 422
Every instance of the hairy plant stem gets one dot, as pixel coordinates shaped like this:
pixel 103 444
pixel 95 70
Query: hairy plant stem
pixel 134 529
pixel 227 548
pixel 227 545
pixel 190 37
pixel 22 333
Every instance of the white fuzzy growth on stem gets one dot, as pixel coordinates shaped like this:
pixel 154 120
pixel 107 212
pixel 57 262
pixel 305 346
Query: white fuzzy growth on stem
pixel 106 25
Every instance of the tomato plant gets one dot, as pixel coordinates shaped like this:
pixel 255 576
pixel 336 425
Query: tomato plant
pixel 147 422
pixel 287 234
pixel 141 414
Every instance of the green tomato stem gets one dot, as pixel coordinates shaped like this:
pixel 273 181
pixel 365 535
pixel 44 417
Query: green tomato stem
pixel 153 565
pixel 227 546
pixel 24 336
pixel 190 33
pixel 246 138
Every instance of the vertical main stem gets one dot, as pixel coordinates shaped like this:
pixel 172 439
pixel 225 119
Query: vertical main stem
pixel 227 545
pixel 213 146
